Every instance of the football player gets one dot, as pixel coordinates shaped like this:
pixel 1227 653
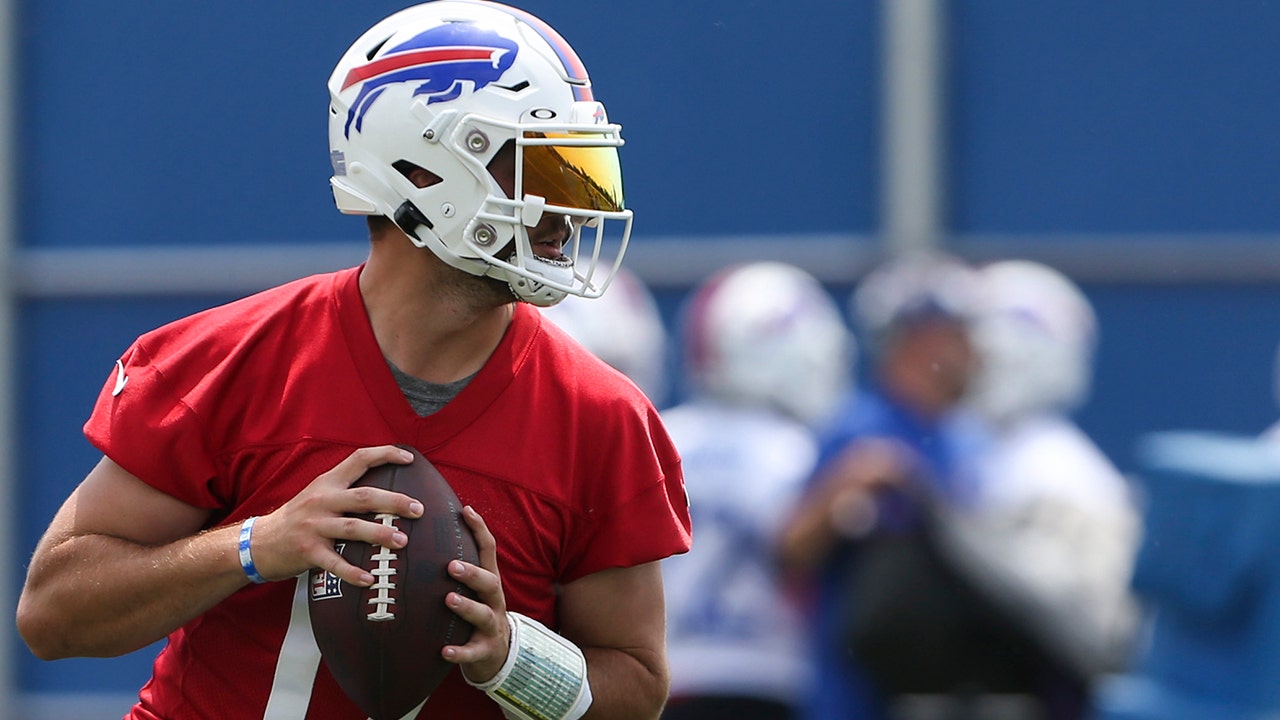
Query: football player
pixel 888 445
pixel 469 135
pixel 1051 529
pixel 768 357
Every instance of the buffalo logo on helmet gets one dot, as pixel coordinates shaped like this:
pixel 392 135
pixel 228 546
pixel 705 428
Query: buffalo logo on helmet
pixel 449 60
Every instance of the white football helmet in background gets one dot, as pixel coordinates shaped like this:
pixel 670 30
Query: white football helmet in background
pixel 768 333
pixel 1036 335
pixel 445 86
pixel 624 328
pixel 913 285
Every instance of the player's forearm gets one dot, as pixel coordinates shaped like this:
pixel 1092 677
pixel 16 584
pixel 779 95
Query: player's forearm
pixel 807 538
pixel 100 596
pixel 626 685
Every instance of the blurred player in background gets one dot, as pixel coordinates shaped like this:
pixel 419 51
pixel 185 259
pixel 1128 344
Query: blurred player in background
pixel 767 356
pixel 1050 528
pixel 888 445
pixel 468 134
pixel 622 327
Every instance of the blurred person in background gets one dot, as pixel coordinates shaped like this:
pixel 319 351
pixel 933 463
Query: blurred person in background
pixel 624 328
pixel 767 356
pixel 1050 527
pixel 880 622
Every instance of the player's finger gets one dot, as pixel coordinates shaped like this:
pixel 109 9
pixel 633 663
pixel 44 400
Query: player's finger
pixel 375 532
pixel 359 462
pixel 334 563
pixel 488 640
pixel 483 617
pixel 486 584
pixel 364 500
pixel 486 544
pixel 470 653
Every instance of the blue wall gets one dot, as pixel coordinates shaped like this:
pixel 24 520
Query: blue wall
pixel 159 123
pixel 1115 117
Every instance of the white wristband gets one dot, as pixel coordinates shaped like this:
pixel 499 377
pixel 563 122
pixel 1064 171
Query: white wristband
pixel 246 553
pixel 544 677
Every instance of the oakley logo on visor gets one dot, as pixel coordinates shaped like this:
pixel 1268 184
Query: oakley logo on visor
pixel 448 60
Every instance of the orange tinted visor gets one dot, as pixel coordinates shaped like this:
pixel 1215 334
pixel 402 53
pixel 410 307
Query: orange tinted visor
pixel 574 174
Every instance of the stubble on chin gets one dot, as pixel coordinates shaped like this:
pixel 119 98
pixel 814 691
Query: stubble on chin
pixel 479 292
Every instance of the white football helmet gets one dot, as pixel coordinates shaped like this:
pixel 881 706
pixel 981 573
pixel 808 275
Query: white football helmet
pixel 445 86
pixel 913 285
pixel 624 328
pixel 768 333
pixel 1036 334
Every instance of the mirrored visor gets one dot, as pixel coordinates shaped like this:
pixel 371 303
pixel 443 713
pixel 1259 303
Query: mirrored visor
pixel 573 173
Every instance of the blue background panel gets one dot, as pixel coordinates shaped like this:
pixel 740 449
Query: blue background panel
pixel 173 124
pixel 69 351
pixel 1099 116
pixel 1179 357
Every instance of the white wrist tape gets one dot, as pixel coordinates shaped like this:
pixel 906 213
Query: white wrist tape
pixel 544 677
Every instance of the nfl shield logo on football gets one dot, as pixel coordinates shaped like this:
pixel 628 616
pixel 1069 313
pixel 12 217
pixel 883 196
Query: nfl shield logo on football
pixel 324 584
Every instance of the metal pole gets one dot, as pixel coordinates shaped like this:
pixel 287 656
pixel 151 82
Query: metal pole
pixel 913 162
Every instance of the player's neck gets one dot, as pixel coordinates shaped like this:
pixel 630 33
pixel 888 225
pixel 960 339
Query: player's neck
pixel 432 321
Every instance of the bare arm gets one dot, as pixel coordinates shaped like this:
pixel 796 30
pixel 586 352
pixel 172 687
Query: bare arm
pixel 120 566
pixel 123 564
pixel 840 502
pixel 616 617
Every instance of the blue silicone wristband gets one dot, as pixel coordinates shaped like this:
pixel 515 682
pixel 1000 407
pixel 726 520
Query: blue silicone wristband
pixel 246 556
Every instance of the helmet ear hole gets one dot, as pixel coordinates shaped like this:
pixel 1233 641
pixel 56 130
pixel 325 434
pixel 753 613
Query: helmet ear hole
pixel 419 176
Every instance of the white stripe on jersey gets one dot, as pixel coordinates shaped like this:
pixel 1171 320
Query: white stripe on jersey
pixel 298 663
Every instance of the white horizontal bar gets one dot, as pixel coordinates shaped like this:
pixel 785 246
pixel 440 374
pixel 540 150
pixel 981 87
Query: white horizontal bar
pixel 663 262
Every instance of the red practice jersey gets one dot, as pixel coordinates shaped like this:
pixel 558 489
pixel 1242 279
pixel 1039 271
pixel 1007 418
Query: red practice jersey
pixel 238 408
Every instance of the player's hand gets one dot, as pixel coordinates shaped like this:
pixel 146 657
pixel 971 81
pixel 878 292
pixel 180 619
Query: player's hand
pixel 871 465
pixel 300 534
pixel 854 478
pixel 486 652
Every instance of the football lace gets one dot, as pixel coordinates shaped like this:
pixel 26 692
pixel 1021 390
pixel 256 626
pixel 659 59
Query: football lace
pixel 383 601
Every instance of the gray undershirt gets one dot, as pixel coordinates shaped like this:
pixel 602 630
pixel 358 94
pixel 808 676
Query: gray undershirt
pixel 427 397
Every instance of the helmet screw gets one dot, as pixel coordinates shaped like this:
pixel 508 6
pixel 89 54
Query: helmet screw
pixel 448 210
pixel 429 134
pixel 485 235
pixel 477 141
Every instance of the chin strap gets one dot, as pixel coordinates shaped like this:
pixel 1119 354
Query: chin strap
pixel 544 677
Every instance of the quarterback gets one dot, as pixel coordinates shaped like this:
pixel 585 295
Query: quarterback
pixel 469 135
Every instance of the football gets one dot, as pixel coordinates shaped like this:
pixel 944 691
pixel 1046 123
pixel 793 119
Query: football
pixel 382 643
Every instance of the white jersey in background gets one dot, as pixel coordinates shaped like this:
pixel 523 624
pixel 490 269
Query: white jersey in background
pixel 1050 529
pixel 731 630
pixel 1050 532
